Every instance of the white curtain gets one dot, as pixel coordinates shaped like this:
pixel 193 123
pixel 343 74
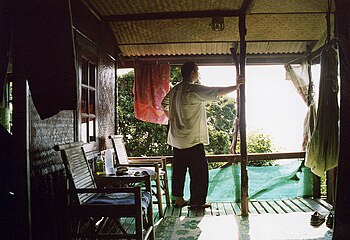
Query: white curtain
pixel 302 81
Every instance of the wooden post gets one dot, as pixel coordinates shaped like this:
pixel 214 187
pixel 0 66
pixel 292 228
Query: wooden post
pixel 342 201
pixel 20 129
pixel 242 121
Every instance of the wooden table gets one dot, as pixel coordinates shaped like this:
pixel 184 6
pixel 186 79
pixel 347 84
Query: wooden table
pixel 133 175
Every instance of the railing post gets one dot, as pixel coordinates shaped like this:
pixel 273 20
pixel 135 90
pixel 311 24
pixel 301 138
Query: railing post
pixel 242 120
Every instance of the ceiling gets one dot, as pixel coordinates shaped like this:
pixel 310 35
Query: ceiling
pixel 278 31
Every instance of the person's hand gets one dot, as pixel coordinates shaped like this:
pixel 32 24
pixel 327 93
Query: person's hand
pixel 240 80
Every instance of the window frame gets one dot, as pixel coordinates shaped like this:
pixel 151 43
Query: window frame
pixel 87 54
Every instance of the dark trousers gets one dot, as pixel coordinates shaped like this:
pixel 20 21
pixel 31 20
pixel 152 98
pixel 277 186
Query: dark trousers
pixel 194 159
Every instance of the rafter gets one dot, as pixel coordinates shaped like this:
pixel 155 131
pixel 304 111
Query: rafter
pixel 170 15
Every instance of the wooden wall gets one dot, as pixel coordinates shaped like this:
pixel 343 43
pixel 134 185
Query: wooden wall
pixel 48 180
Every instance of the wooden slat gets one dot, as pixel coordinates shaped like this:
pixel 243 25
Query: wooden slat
pixel 215 209
pixel 289 205
pixel 324 204
pixel 276 207
pixel 267 207
pixel 169 211
pixel 256 205
pixel 186 212
pixel 285 208
pixel 252 209
pixel 228 209
pixel 314 205
pixel 300 205
pixel 177 212
pixel 220 209
pixel 236 208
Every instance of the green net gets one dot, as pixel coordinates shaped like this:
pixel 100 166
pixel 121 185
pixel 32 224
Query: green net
pixel 288 180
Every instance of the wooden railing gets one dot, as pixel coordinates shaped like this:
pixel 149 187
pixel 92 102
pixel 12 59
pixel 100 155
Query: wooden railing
pixel 237 157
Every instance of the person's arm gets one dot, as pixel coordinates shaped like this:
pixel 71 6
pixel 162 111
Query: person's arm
pixel 165 105
pixel 226 90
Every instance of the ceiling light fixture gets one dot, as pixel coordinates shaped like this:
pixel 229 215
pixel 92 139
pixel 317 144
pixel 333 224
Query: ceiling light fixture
pixel 217 24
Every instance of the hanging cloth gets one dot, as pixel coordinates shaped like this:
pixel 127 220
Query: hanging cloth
pixel 6 8
pixel 152 83
pixel 301 79
pixel 47 58
pixel 323 148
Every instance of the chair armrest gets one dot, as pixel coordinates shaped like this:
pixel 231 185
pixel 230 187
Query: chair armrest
pixel 144 160
pixel 148 160
pixel 139 165
pixel 107 190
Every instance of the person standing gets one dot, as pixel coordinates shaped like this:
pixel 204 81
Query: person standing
pixel 188 133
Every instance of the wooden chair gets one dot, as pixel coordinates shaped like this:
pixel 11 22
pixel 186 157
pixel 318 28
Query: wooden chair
pixel 159 165
pixel 95 213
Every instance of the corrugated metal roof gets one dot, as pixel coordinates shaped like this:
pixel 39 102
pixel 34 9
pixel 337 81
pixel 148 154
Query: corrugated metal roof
pixel 167 28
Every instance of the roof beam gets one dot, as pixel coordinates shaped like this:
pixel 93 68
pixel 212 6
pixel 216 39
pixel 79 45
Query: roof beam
pixel 227 41
pixel 217 60
pixel 247 6
pixel 171 15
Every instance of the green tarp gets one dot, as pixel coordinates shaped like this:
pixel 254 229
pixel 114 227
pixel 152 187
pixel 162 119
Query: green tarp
pixel 287 180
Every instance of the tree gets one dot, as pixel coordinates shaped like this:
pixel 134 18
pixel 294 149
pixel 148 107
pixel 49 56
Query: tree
pixel 153 137
pixel 220 115
pixel 141 138
pixel 258 142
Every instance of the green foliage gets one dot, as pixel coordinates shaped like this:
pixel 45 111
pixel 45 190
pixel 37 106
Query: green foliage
pixel 175 75
pixel 144 138
pixel 257 142
pixel 141 138
pixel 220 115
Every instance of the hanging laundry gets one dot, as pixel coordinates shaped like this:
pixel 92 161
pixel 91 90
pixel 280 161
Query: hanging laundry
pixel 152 82
pixel 323 148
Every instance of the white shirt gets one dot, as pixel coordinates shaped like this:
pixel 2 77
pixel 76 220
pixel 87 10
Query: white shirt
pixel 185 103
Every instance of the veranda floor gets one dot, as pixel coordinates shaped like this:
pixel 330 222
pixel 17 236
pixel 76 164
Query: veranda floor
pixel 269 220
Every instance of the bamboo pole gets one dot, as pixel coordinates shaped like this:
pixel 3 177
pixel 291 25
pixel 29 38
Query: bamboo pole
pixel 236 123
pixel 242 122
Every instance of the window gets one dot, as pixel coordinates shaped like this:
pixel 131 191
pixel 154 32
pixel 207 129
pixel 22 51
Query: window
pixel 6 105
pixel 86 114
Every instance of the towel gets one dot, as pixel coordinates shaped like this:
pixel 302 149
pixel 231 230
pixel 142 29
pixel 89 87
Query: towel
pixel 152 83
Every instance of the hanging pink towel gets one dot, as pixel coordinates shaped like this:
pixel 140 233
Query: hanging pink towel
pixel 152 82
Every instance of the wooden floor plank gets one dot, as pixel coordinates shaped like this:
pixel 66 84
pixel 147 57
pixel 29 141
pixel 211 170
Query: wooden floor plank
pixel 267 207
pixel 184 211
pixel 177 211
pixel 258 207
pixel 290 205
pixel 228 208
pixel 169 211
pixel 276 207
pixel 222 209
pixel 218 209
pixel 314 205
pixel 237 208
pixel 324 204
pixel 252 209
pixel 300 205
pixel 284 207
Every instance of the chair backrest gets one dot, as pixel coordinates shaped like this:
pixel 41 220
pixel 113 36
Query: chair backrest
pixel 77 168
pixel 119 149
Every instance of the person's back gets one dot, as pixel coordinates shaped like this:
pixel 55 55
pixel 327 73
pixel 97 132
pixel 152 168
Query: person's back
pixel 188 125
pixel 188 133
